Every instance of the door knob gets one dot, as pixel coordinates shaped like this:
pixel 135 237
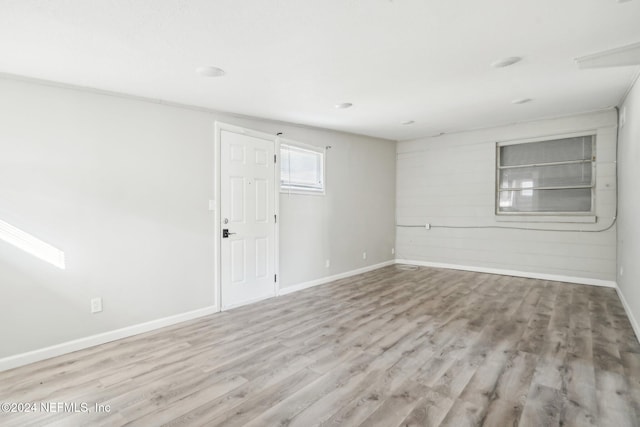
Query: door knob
pixel 225 233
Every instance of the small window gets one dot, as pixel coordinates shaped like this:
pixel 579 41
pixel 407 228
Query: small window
pixel 546 177
pixel 301 169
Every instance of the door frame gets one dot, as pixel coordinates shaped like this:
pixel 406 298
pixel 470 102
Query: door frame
pixel 217 229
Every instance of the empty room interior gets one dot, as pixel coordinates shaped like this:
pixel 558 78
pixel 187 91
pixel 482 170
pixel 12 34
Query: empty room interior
pixel 304 213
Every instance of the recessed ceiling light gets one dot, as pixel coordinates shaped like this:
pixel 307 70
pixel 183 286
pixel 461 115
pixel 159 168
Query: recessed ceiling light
pixel 210 71
pixel 344 105
pixel 505 62
pixel 408 122
pixel 521 100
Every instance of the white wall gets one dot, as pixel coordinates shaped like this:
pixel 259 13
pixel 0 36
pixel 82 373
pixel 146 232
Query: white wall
pixel 450 180
pixel 122 187
pixel 629 205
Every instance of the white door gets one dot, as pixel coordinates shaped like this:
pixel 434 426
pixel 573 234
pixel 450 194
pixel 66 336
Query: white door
pixel 247 212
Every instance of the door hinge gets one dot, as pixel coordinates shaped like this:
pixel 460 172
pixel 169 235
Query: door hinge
pixel 275 218
pixel 275 277
pixel 274 158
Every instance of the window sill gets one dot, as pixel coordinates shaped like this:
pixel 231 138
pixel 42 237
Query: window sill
pixel 580 219
pixel 302 192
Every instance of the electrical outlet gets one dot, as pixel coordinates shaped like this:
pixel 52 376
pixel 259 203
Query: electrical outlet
pixel 427 226
pixel 327 263
pixel 96 305
pixel 364 255
pixel 393 251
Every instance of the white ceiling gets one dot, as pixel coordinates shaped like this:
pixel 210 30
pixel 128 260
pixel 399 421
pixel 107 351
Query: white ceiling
pixel 293 60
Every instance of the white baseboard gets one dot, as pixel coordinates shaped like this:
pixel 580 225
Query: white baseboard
pixel 22 359
pixel 248 302
pixel 634 322
pixel 323 280
pixel 93 340
pixel 516 273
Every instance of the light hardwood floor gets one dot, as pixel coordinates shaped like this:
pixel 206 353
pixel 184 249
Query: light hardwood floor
pixel 391 347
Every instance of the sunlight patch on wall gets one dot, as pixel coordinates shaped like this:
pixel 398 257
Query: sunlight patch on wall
pixel 31 245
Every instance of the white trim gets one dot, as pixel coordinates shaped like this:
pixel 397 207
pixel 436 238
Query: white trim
pixel 305 147
pixel 323 280
pixel 276 207
pixel 634 80
pixel 587 218
pixel 243 131
pixel 634 322
pixel 310 147
pixel 243 303
pixel 616 57
pixel 572 216
pixel 549 137
pixel 516 273
pixel 217 230
pixel 301 192
pixel 22 359
pixel 217 177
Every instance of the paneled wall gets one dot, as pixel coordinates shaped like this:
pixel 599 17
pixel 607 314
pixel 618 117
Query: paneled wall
pixel 450 180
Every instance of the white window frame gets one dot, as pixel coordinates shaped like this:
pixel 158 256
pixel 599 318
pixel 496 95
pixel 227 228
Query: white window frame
pixel 285 189
pixel 572 216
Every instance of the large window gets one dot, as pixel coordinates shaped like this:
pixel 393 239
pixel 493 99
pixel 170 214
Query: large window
pixel 301 169
pixel 549 177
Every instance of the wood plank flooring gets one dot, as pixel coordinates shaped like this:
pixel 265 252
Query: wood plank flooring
pixel 398 346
